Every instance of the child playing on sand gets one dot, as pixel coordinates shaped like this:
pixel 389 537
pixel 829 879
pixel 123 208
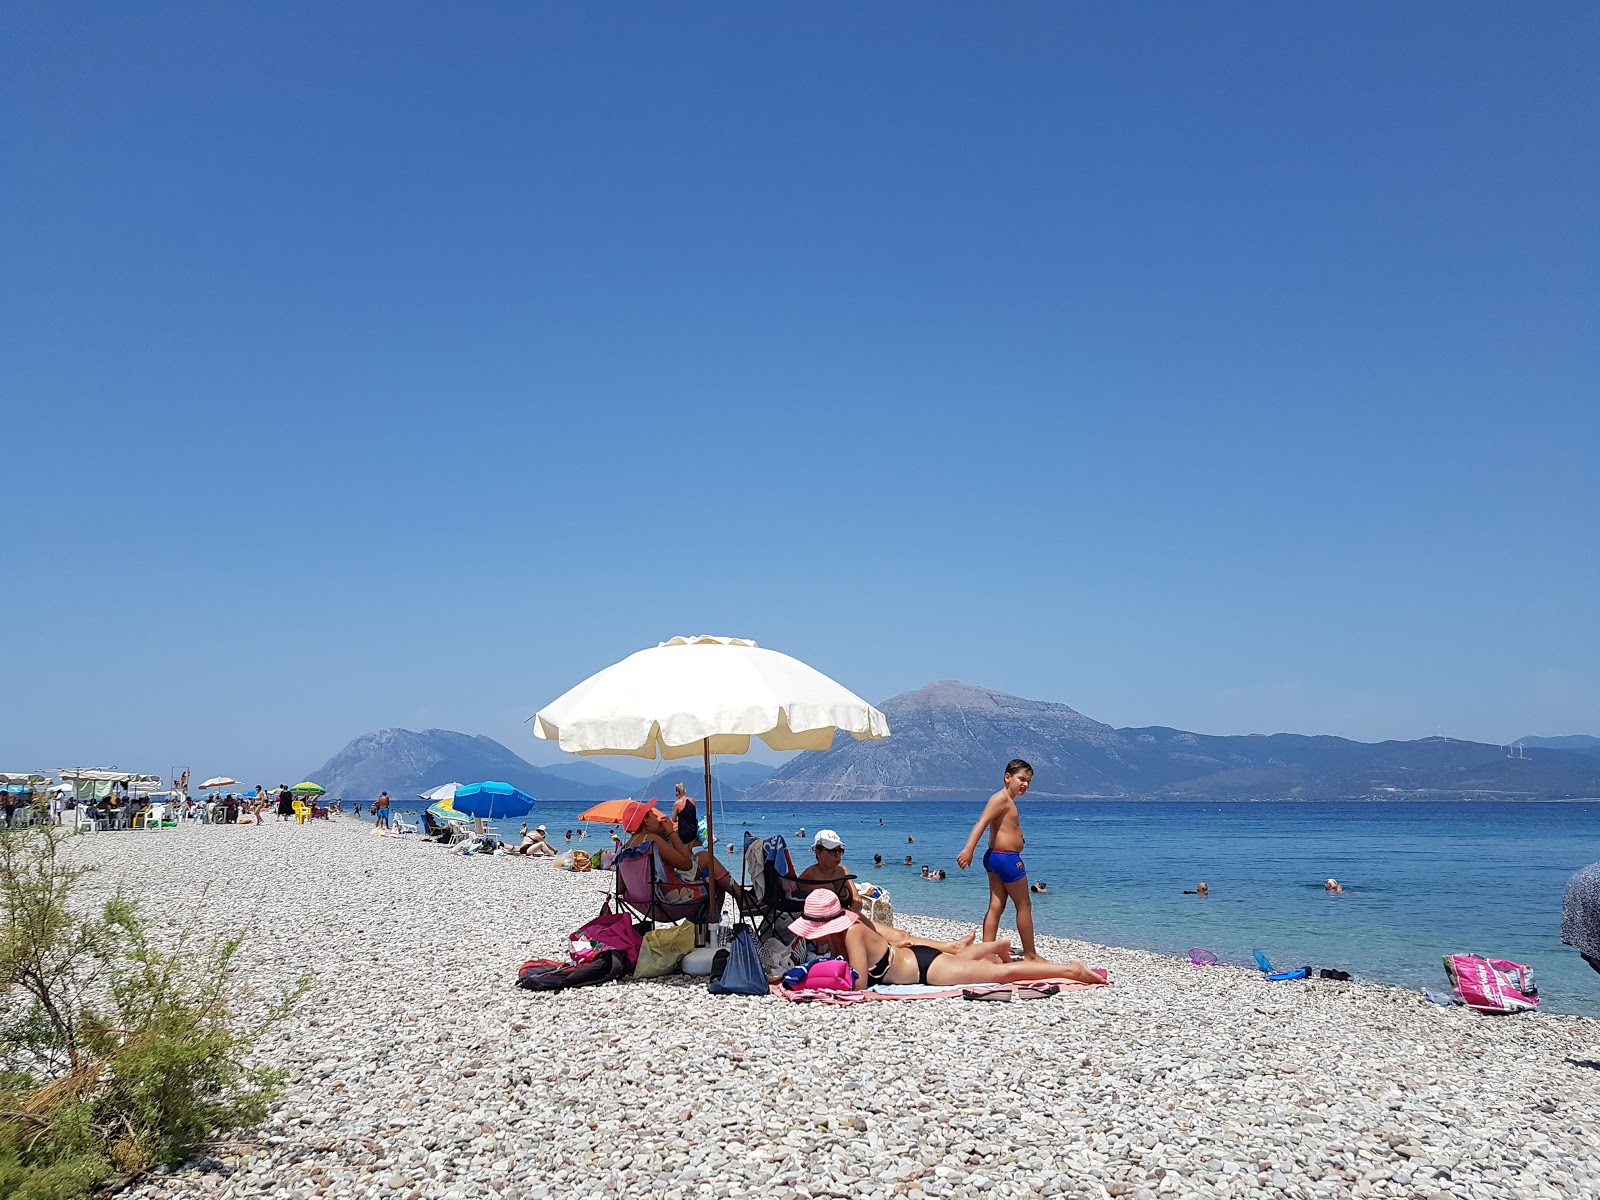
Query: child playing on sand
pixel 1008 878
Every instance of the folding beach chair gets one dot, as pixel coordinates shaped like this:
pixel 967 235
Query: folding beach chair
pixel 647 887
pixel 774 892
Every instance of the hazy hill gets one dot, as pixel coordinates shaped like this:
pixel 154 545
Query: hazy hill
pixel 730 777
pixel 403 763
pixel 592 773
pixel 1580 743
pixel 952 739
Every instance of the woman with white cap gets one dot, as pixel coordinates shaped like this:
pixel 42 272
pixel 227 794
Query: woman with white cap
pixel 829 874
pixel 828 871
pixel 876 961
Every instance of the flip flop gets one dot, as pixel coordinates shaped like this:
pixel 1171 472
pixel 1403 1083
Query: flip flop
pixel 1037 991
pixel 999 991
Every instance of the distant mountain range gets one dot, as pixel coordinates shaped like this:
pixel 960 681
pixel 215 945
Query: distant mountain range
pixel 952 739
pixel 728 774
pixel 405 763
pixel 1580 743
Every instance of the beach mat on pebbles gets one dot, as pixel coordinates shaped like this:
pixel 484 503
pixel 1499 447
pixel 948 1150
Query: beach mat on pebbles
pixel 1034 989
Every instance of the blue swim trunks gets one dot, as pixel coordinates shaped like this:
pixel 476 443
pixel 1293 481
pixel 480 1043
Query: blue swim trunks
pixel 1004 865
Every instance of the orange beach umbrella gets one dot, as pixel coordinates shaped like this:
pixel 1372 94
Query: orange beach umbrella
pixel 607 812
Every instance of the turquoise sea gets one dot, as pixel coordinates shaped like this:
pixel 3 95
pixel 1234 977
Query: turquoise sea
pixel 1422 880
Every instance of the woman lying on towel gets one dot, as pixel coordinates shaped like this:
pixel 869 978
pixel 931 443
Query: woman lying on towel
pixel 876 961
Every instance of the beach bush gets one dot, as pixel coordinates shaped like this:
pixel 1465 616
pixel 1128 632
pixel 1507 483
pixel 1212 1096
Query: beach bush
pixel 117 1054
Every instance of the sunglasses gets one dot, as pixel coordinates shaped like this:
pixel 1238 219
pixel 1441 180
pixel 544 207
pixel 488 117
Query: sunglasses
pixel 831 849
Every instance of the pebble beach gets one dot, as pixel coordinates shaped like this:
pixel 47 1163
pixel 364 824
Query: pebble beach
pixel 418 1071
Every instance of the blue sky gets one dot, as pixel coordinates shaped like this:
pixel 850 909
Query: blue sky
pixel 1228 368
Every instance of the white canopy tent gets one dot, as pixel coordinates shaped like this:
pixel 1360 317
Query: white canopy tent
pixel 96 783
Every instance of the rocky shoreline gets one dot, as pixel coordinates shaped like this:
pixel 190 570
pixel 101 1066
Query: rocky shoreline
pixel 420 1072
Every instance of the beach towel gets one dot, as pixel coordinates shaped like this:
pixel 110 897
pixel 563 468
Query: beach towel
pixel 924 991
pixel 1580 914
pixel 1492 985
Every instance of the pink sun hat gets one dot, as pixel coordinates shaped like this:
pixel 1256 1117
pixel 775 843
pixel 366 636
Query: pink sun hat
pixel 824 915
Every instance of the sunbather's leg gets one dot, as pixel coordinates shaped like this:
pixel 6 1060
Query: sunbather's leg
pixel 948 970
pixel 999 951
pixel 960 946
pixel 726 883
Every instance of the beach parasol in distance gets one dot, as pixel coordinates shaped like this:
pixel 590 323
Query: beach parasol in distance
pixel 492 799
pixel 607 812
pixel 220 781
pixel 701 696
pixel 443 810
pixel 442 794
pixel 308 789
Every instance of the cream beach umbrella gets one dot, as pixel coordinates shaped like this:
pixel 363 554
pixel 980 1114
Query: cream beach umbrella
pixel 219 781
pixel 702 696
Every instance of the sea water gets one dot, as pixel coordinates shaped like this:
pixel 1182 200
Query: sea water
pixel 1421 879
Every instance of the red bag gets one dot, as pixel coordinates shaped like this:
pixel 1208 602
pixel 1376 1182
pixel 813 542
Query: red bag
pixel 608 931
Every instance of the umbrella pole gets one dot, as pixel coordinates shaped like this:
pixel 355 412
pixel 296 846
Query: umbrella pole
pixel 712 898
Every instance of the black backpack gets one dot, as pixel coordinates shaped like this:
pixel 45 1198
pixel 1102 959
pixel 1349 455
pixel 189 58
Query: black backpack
pixel 548 975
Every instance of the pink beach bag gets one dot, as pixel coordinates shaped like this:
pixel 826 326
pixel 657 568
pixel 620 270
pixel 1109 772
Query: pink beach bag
pixel 609 931
pixel 1492 985
pixel 831 974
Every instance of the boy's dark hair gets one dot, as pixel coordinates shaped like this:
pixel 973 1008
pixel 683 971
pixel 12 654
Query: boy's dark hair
pixel 1019 764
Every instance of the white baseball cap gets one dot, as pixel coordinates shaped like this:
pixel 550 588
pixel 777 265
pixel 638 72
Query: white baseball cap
pixel 540 829
pixel 827 839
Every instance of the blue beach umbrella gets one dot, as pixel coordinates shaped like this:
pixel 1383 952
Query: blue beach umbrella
pixel 492 799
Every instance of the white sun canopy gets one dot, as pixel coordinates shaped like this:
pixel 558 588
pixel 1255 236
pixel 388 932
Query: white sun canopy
pixel 692 695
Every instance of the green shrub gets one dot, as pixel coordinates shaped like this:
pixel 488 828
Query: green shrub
pixel 120 1055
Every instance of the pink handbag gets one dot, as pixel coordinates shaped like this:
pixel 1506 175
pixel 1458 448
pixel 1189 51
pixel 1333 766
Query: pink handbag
pixel 608 931
pixel 831 974
pixel 1492 985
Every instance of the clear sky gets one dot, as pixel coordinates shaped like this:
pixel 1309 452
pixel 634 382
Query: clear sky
pixel 1227 367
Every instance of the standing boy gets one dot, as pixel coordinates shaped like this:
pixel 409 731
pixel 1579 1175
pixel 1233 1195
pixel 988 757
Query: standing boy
pixel 1003 859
